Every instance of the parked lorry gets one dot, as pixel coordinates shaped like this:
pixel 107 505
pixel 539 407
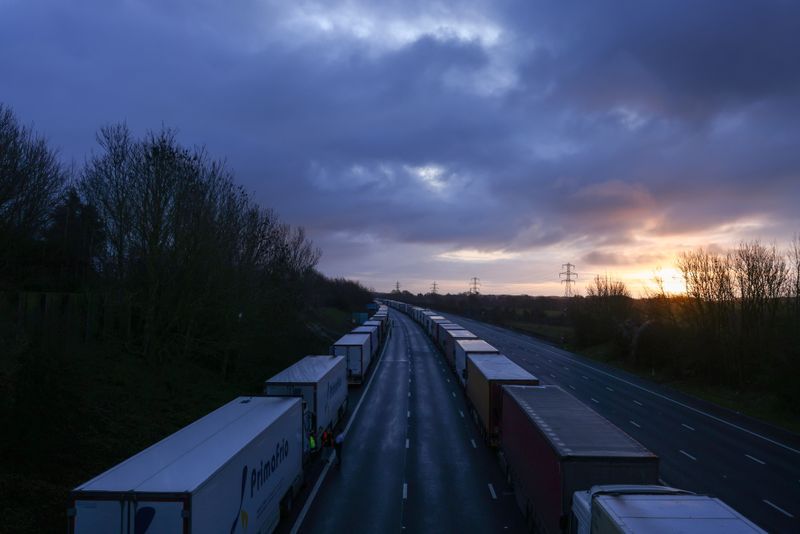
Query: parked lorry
pixel 442 329
pixel 465 347
pixel 321 382
pixel 433 322
pixel 635 509
pixel 486 376
pixel 554 445
pixel 375 334
pixel 450 344
pixel 383 329
pixel 230 471
pixel 357 350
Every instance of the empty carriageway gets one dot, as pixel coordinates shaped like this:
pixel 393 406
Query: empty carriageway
pixel 413 458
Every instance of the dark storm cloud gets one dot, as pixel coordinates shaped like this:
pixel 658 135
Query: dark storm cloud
pixel 480 125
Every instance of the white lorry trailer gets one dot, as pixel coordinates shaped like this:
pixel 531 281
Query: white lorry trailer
pixel 375 334
pixel 321 381
pixel 632 509
pixel 357 350
pixel 230 471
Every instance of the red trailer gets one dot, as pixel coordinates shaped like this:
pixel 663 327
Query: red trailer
pixel 555 445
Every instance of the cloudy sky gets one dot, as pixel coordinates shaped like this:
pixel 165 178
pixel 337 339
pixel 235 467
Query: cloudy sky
pixel 421 141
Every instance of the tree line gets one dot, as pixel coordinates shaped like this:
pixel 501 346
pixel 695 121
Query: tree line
pixel 164 233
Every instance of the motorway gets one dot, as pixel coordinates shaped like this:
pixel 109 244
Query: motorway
pixel 413 460
pixel 705 449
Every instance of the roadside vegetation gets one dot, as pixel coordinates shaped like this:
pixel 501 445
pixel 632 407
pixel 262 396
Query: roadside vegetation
pixel 137 293
pixel 733 338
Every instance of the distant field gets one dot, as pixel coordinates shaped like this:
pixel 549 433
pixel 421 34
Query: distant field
pixel 553 333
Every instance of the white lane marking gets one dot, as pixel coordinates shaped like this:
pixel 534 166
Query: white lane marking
pixel 637 402
pixel 551 374
pixel 462 413
pixel 408 413
pixel 448 380
pixel 409 394
pixel 491 490
pixel 778 508
pixel 609 389
pixel 474 445
pixel 571 386
pixel 634 423
pixel 659 395
pixel 684 425
pixel 762 462
pixel 595 400
pixel 302 515
pixel 585 377
pixel 566 368
pixel 454 393
pixel 687 454
pixel 407 443
pixel 405 491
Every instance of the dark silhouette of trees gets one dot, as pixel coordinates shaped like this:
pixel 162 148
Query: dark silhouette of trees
pixel 31 181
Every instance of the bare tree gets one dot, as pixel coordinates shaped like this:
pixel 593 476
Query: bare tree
pixel 31 182
pixel 106 184
pixel 761 275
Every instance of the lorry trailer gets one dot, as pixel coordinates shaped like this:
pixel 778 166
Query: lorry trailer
pixel 633 509
pixel 357 350
pixel 321 382
pixel 486 376
pixel 374 332
pixel 555 445
pixel 229 471
pixel 469 346
pixel 451 336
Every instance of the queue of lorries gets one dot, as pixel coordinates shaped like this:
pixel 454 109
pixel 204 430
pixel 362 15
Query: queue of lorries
pixel 572 470
pixel 238 468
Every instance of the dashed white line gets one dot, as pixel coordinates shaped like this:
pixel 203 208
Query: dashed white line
pixel 453 393
pixel 684 425
pixel 595 400
pixel 405 491
pixel 778 508
pixel 552 375
pixel 585 377
pixel 462 413
pixel 409 394
pixel 637 402
pixel 687 454
pixel 571 386
pixel 762 462
pixel 474 445
pixel 634 423
pixel 491 490
pixel 408 413
pixel 407 443
pixel 609 389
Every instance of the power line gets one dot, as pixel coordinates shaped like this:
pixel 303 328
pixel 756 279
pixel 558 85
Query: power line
pixel 397 286
pixel 568 280
pixel 473 286
pixel 434 287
